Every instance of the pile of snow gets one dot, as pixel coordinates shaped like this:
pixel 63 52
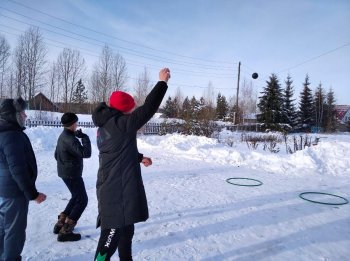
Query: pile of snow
pixel 53 116
pixel 195 214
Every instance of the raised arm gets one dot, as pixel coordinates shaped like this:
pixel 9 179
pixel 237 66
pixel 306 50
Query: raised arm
pixel 144 113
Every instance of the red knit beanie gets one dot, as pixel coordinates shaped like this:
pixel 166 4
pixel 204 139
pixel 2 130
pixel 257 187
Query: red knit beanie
pixel 121 101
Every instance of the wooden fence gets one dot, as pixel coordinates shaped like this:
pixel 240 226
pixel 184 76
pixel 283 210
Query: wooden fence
pixel 36 123
pixel 148 129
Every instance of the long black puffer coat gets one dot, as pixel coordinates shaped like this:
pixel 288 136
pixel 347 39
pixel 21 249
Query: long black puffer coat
pixel 18 169
pixel 120 191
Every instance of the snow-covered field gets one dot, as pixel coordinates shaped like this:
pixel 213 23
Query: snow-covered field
pixel 196 215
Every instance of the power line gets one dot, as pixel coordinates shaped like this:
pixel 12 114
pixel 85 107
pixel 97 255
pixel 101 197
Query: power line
pixel 204 66
pixel 314 58
pixel 173 84
pixel 186 85
pixel 135 63
pixel 136 53
pixel 117 38
pixel 131 52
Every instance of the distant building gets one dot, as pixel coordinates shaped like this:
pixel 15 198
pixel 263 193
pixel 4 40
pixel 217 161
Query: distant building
pixel 250 118
pixel 42 103
pixel 343 113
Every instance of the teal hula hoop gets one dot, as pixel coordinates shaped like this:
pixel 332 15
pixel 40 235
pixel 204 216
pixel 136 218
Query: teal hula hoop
pixel 301 195
pixel 259 183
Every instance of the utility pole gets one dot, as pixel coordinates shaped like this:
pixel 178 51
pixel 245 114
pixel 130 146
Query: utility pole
pixel 235 121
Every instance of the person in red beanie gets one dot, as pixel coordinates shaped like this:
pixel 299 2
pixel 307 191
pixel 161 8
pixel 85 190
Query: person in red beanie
pixel 120 192
pixel 122 101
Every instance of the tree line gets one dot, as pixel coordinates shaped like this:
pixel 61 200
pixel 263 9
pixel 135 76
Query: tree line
pixel 279 111
pixel 274 109
pixel 25 70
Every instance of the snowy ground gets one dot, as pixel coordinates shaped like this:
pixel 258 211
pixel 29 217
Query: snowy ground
pixel 196 215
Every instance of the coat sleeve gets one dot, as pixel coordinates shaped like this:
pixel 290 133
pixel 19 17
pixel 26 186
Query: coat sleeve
pixel 55 153
pixel 140 157
pixel 144 113
pixel 80 150
pixel 18 166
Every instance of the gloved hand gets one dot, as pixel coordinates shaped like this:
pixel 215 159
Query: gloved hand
pixel 79 134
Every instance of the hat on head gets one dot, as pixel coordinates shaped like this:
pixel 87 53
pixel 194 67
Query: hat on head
pixel 68 119
pixel 121 101
pixel 9 108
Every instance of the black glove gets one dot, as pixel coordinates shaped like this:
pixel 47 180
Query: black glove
pixel 79 134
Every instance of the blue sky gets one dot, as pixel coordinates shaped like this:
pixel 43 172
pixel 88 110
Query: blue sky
pixel 200 41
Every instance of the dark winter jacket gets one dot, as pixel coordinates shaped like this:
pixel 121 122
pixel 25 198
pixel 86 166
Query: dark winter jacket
pixel 120 191
pixel 69 154
pixel 18 169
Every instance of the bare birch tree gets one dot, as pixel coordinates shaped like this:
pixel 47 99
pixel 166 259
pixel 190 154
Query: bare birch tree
pixel 119 73
pixel 20 72
pixel 10 85
pixel 53 82
pixel 70 68
pixel 4 56
pixel 101 78
pixel 208 112
pixel 179 97
pixel 30 61
pixel 248 98
pixel 209 95
pixel 142 88
pixel 95 87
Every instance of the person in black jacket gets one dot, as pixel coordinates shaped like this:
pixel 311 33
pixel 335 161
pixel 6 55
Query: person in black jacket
pixel 18 173
pixel 69 155
pixel 120 192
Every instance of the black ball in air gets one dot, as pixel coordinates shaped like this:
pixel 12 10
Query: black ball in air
pixel 255 75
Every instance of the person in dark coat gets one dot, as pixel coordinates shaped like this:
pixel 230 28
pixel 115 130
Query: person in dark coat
pixel 18 173
pixel 120 192
pixel 69 155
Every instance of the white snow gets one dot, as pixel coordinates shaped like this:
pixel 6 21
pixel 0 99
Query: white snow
pixel 196 215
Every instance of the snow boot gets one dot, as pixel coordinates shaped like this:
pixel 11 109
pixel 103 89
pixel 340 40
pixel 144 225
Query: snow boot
pixel 60 222
pixel 66 232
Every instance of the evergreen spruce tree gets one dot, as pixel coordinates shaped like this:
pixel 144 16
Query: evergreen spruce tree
pixel 231 113
pixel 190 112
pixel 186 112
pixel 177 108
pixel 79 97
pixel 319 106
pixel 270 104
pixel 348 125
pixel 169 108
pixel 195 108
pixel 306 107
pixel 331 115
pixel 289 109
pixel 221 107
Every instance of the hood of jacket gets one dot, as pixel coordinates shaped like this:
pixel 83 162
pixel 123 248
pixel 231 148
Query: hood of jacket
pixel 9 125
pixel 103 113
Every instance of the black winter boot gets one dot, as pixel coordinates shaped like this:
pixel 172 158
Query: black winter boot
pixel 66 232
pixel 60 222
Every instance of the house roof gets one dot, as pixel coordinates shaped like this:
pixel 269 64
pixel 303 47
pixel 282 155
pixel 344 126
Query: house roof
pixel 341 110
pixel 40 94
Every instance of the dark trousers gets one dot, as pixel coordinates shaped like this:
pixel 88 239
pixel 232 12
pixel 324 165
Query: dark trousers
pixel 13 224
pixel 79 200
pixel 114 238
